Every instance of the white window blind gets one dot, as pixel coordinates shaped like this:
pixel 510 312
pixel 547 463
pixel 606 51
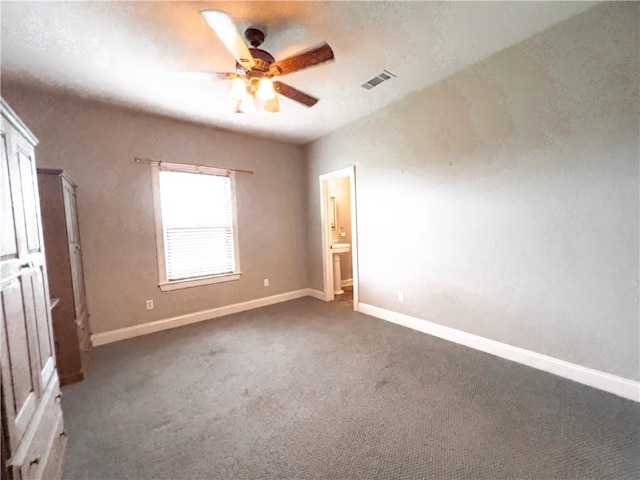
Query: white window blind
pixel 197 224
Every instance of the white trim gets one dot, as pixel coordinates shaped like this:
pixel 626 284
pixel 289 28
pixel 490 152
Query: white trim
pixel 191 168
pixel 167 285
pixel 173 322
pixel 355 265
pixel 234 216
pixel 327 277
pixel 327 280
pixel 197 282
pixel 316 294
pixel 8 113
pixel 157 221
pixel 622 387
pixel 347 282
pixel 47 371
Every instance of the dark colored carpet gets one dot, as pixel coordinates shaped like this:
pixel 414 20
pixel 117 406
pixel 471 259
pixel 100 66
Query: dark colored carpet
pixel 311 390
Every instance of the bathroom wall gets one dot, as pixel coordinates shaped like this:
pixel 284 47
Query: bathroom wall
pixel 343 202
pixel 511 193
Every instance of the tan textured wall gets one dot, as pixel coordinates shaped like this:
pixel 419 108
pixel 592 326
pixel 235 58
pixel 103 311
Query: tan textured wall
pixel 96 144
pixel 504 200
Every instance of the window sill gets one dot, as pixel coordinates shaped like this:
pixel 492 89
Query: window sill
pixel 176 285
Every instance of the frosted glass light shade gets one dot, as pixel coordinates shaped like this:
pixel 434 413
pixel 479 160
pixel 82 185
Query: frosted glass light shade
pixel 272 105
pixel 247 104
pixel 238 89
pixel 265 89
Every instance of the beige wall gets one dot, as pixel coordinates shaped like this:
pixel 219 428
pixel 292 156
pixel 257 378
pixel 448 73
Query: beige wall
pixel 343 203
pixel 96 144
pixel 503 201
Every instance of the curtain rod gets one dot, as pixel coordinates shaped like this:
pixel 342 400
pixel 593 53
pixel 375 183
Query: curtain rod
pixel 151 160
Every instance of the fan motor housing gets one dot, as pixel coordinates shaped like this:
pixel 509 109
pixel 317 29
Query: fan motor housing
pixel 262 62
pixel 255 37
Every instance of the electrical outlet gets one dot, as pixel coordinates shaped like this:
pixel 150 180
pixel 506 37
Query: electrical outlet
pixel 266 282
pixel 400 296
pixel 149 304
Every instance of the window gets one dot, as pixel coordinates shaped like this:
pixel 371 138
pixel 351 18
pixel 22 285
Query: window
pixel 196 234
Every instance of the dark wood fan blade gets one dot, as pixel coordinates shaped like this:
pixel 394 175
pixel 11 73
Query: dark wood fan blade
pixel 294 94
pixel 312 57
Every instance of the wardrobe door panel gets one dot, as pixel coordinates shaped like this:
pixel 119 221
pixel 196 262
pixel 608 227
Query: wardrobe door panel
pixel 29 199
pixel 75 252
pixel 18 369
pixel 9 243
pixel 43 327
pixel 78 279
pixel 70 213
pixel 32 461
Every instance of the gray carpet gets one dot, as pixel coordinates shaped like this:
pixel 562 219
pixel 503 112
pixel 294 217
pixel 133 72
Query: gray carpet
pixel 311 390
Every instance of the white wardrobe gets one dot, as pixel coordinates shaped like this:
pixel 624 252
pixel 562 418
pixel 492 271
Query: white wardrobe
pixel 33 439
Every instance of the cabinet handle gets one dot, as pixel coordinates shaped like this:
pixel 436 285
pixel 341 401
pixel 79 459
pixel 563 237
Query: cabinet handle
pixel 63 433
pixel 58 398
pixel 35 461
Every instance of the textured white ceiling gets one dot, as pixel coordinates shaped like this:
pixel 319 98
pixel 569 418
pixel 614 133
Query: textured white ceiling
pixel 130 53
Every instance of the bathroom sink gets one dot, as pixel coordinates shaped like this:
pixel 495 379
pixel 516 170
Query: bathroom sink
pixel 336 250
pixel 340 247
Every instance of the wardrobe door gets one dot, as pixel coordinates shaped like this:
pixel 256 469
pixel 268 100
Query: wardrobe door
pixel 32 252
pixel 77 273
pixel 31 415
pixel 75 252
pixel 20 367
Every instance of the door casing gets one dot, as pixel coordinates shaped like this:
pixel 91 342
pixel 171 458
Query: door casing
pixel 326 232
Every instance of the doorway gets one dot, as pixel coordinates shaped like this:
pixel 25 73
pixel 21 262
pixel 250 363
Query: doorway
pixel 339 236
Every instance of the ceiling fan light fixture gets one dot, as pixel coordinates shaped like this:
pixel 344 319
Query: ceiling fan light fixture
pixel 265 89
pixel 272 105
pixel 238 89
pixel 252 86
pixel 247 105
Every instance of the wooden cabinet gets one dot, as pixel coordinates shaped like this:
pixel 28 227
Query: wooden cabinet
pixel 31 413
pixel 66 280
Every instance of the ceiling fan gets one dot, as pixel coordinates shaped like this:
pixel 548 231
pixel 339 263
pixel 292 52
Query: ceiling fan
pixel 252 82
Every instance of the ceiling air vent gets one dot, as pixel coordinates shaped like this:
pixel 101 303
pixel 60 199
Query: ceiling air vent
pixel 375 81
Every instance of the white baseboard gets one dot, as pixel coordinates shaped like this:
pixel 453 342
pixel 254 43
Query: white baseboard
pixel 622 387
pixel 316 293
pixel 320 295
pixel 179 321
pixel 347 282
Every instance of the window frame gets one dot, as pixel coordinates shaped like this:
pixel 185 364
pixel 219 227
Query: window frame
pixel 163 282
